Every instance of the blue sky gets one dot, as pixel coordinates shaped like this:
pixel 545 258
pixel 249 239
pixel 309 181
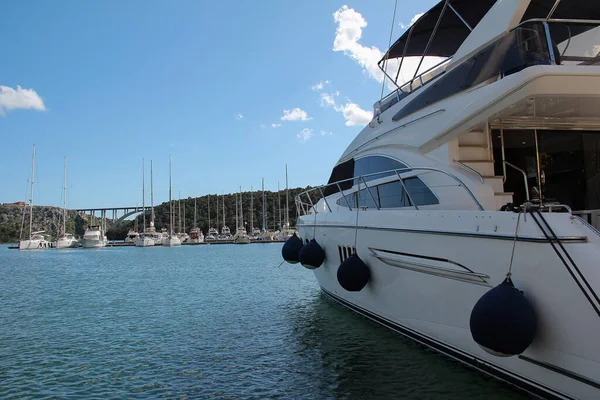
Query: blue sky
pixel 234 90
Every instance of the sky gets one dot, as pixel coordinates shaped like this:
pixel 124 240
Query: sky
pixel 232 90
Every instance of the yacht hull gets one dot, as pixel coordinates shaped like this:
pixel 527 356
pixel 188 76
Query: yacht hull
pixel 66 244
pixel 172 242
pixel 144 242
pixel 92 243
pixel 428 269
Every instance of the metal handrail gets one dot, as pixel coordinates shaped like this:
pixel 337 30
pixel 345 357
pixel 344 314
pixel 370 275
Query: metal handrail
pixel 473 170
pixel 392 172
pixel 524 177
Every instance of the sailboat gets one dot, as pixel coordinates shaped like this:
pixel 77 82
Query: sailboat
pixel 240 236
pixel 212 233
pixel 225 231
pixel 146 239
pixel 65 240
pixel 172 240
pixel 36 240
pixel 254 232
pixel 196 235
pixel 286 232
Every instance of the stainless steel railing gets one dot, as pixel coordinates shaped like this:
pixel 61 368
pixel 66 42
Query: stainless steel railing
pixel 306 202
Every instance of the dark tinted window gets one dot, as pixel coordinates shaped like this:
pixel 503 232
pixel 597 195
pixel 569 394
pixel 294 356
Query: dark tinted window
pixel 391 195
pixel 372 164
pixel 341 171
pixel 363 166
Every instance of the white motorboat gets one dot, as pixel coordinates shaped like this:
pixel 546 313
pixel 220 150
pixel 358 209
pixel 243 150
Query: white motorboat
pixel 171 240
pixel 475 184
pixel 94 237
pixel 36 240
pixel 147 238
pixel 132 235
pixel 65 240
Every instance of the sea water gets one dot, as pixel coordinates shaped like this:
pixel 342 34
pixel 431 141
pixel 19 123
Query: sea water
pixel 207 322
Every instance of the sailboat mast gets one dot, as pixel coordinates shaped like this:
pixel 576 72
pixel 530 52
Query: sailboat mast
pixel 151 197
pixel 241 209
pixel 223 198
pixel 263 205
pixel 287 200
pixel 237 219
pixel 194 212
pixel 170 197
pixel 143 196
pixel 31 198
pixel 179 213
pixel 65 197
pixel 209 211
pixel 251 209
pixel 217 212
pixel 279 203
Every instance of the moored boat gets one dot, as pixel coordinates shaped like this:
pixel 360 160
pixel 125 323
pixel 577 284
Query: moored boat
pixel 460 216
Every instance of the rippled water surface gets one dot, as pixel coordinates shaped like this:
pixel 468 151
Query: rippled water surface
pixel 201 322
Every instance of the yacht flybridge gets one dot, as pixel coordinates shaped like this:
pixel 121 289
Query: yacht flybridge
pixel 465 214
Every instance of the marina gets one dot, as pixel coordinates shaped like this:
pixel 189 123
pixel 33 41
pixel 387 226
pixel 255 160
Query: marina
pixel 443 245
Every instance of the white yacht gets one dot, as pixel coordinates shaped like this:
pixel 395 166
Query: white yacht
pixel 146 239
pixel 132 235
pixel 171 240
pixel 36 240
pixel 212 235
pixel 475 184
pixel 94 237
pixel 65 240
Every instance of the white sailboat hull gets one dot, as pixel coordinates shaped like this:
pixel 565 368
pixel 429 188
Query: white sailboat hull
pixel 144 242
pixel 34 244
pixel 172 242
pixel 428 269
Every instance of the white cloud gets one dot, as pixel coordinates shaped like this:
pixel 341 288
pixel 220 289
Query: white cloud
pixel 239 116
pixel 412 21
pixel 319 86
pixel 327 100
pixel 304 134
pixel 354 115
pixel 350 24
pixel 275 125
pixel 295 115
pixel 325 133
pixel 11 99
pixel 348 33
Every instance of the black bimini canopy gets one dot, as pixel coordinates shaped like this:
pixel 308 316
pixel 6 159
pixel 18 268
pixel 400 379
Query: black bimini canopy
pixel 451 32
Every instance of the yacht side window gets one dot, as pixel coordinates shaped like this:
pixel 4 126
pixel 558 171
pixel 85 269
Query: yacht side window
pixel 391 195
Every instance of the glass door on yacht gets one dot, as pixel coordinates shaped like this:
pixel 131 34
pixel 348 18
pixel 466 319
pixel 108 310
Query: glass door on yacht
pixel 562 167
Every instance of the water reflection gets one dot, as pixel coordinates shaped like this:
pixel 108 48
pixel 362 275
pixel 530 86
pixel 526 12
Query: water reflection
pixel 350 356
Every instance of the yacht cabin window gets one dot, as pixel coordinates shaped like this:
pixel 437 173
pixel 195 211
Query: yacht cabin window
pixel 385 195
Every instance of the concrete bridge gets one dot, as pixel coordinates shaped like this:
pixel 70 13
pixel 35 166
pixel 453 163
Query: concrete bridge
pixel 116 214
